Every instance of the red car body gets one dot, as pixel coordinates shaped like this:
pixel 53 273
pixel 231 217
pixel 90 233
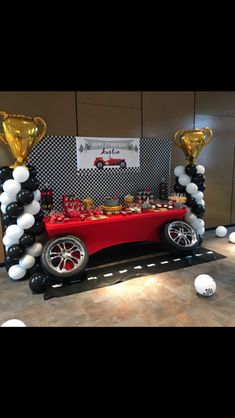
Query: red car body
pixel 110 161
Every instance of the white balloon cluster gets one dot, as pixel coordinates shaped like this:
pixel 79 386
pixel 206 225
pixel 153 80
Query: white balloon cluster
pixel 191 188
pixel 14 232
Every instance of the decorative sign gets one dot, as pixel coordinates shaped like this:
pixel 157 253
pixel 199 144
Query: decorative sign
pixel 104 153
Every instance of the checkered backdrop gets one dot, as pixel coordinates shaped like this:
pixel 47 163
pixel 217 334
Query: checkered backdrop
pixel 56 163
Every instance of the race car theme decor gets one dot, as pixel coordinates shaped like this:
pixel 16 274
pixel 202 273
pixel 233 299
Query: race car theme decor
pixel 21 211
pixel 107 152
pixel 190 180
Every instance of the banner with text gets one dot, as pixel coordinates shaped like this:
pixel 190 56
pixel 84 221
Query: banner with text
pixel 104 153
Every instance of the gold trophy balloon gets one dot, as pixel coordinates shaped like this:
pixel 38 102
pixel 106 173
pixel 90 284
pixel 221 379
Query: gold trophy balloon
pixel 21 134
pixel 191 142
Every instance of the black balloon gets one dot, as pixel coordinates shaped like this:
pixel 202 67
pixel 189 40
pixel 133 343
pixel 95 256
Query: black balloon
pixel 40 215
pixel 200 215
pixel 198 179
pixel 15 251
pixel 25 196
pixel 14 209
pixel 32 183
pixel 176 180
pixel 191 202
pixel 179 189
pixel 7 220
pixel 10 262
pixel 35 269
pixel 188 195
pixel 191 170
pixel 27 239
pixel 32 171
pixel 200 239
pixel 198 209
pixel 37 282
pixel 37 228
pixel 1 188
pixel 201 187
pixel 5 173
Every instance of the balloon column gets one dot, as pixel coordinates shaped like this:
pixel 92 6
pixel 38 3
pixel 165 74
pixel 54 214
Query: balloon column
pixel 21 211
pixel 190 180
pixel 22 220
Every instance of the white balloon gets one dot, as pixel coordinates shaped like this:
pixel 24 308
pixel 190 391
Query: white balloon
pixel 4 199
pixel 221 231
pixel 184 180
pixel 190 218
pixel 26 220
pixel 27 261
pixel 191 188
pixel 37 195
pixel 201 231
pixel 16 272
pixel 179 170
pixel 33 208
pixel 200 169
pixel 198 196
pixel 202 202
pixel 205 285
pixel 3 208
pixel 11 187
pixel 232 237
pixel 199 223
pixel 13 323
pixel 14 231
pixel 8 242
pixel 35 250
pixel 20 174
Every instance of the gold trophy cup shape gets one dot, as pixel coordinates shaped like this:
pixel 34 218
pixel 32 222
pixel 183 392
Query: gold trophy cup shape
pixel 20 133
pixel 192 142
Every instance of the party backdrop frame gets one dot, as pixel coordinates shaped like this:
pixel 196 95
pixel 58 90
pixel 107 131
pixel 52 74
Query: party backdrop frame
pixel 56 161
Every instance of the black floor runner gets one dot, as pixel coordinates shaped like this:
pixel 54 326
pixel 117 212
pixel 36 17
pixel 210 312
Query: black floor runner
pixel 118 264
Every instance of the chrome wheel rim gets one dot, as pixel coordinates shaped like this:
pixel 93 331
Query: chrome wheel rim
pixel 182 234
pixel 65 255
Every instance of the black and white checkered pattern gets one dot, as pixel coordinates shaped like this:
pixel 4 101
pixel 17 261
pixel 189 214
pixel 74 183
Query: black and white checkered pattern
pixel 56 162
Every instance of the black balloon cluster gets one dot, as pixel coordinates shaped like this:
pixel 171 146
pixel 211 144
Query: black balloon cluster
pixel 22 215
pixel 191 190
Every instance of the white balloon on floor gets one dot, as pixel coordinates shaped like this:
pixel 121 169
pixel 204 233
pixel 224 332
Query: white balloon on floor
pixel 13 323
pixel 21 174
pixel 205 285
pixel 232 237
pixel 221 231
pixel 16 272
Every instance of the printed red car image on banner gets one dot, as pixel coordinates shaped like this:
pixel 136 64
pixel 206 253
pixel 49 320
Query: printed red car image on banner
pixel 103 153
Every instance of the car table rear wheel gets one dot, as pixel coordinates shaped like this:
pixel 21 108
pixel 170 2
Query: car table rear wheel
pixel 180 238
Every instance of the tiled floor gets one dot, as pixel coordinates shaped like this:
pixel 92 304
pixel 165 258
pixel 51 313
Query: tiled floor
pixel 166 299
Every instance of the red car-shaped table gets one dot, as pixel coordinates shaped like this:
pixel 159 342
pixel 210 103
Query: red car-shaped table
pixel 66 253
pixel 100 162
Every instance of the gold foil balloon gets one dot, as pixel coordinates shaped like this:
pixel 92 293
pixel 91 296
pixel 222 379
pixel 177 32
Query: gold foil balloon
pixel 192 142
pixel 20 133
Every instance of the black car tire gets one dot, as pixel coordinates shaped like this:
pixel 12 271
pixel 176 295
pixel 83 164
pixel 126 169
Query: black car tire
pixel 180 238
pixel 62 245
pixel 123 164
